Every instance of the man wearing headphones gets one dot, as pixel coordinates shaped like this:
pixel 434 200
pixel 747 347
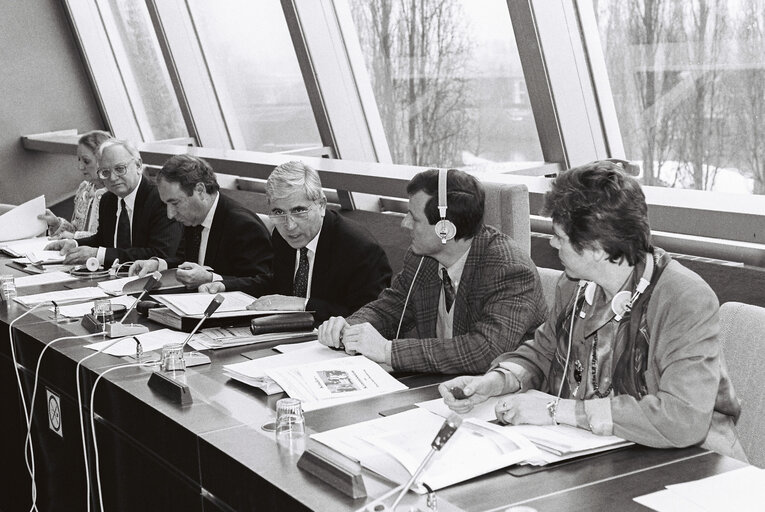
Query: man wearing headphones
pixel 630 350
pixel 466 293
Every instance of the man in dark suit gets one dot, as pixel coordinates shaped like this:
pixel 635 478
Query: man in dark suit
pixel 322 262
pixel 132 223
pixel 467 293
pixel 220 237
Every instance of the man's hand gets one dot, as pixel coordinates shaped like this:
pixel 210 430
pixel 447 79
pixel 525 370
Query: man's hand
pixel 142 268
pixel 216 287
pixel 79 255
pixel 331 332
pixel 523 409
pixel 193 274
pixel 60 235
pixel 364 339
pixel 278 303
pixel 475 389
pixel 62 246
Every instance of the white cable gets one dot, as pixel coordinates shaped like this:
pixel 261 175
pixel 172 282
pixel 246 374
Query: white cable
pixel 406 302
pixel 27 457
pixel 93 423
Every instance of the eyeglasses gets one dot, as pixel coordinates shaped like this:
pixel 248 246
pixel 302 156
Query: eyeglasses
pixel 296 214
pixel 118 170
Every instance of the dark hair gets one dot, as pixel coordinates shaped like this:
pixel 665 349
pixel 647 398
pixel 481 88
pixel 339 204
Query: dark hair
pixel 598 203
pixel 187 171
pixel 465 199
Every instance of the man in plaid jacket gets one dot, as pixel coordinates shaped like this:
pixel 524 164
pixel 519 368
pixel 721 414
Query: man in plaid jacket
pixel 456 305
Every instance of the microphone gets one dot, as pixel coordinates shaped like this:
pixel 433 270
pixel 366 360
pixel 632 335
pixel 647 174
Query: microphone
pixel 211 308
pixel 445 433
pixel 148 286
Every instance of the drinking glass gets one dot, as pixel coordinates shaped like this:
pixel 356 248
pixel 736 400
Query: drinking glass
pixel 7 287
pixel 290 423
pixel 102 310
pixel 172 358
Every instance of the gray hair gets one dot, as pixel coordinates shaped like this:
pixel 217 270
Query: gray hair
pixel 287 177
pixel 127 145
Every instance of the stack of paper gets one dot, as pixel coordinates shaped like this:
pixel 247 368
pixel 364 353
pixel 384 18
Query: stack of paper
pixel 22 221
pixel 150 341
pixel 41 257
pixel 114 286
pixel 79 310
pixel 46 278
pixel 225 337
pixel 195 304
pixel 394 446
pixel 62 296
pixel 254 372
pixel 335 381
pixel 20 248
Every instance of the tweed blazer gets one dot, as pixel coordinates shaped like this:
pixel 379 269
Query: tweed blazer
pixel 239 244
pixel 153 233
pixel 499 301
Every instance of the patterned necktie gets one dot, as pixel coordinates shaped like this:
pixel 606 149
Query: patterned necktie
pixel 300 287
pixel 123 227
pixel 448 289
pixel 195 240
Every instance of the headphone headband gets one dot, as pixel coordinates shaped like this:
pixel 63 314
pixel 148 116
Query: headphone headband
pixel 442 193
pixel 445 229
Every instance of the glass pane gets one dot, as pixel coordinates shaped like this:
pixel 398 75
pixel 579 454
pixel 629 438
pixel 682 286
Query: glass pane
pixel 143 69
pixel 448 83
pixel 688 78
pixel 256 74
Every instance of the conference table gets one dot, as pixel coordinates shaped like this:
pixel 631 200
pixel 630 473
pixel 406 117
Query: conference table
pixel 213 455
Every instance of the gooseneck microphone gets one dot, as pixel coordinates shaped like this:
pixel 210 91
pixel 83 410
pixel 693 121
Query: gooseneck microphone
pixel 150 284
pixel 447 430
pixel 211 308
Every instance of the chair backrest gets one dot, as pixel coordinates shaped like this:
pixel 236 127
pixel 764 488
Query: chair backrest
pixel 507 209
pixel 742 335
pixel 549 278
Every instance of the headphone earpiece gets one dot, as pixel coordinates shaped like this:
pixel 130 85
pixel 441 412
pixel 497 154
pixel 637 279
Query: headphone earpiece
pixel 445 229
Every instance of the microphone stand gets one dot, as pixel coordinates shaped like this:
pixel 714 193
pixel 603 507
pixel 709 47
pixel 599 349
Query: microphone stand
pixel 121 329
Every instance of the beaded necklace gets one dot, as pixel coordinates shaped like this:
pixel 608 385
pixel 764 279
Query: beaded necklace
pixel 593 371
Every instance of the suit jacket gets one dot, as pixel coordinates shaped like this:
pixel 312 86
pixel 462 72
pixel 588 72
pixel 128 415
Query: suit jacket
pixel 349 270
pixel 239 244
pixel 153 234
pixel 498 302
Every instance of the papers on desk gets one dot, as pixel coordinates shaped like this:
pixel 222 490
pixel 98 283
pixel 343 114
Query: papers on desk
pixel 46 278
pixel 114 286
pixel 22 221
pixel 41 257
pixel 195 304
pixel 394 446
pixel 80 310
pixel 334 381
pixel 20 248
pixel 62 296
pixel 254 372
pixel 135 284
pixel 149 341
pixel 742 490
pixel 558 442
pixel 226 337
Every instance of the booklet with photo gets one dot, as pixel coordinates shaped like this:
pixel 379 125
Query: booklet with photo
pixel 394 447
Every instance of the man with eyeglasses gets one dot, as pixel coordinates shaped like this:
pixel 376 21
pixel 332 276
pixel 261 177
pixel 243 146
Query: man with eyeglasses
pixel 132 223
pixel 322 262
pixel 220 237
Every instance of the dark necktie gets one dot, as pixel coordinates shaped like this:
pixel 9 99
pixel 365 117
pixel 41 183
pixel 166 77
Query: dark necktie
pixel 123 227
pixel 448 289
pixel 300 287
pixel 195 240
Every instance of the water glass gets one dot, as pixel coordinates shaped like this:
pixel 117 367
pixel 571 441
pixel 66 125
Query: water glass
pixel 290 422
pixel 172 358
pixel 7 287
pixel 102 310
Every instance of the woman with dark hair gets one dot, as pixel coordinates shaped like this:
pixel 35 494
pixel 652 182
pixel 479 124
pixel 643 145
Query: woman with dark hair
pixel 631 344
pixel 88 196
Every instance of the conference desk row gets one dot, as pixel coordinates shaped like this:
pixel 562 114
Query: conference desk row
pixel 213 455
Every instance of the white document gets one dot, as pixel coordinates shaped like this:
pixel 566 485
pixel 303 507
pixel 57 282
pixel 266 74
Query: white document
pixel 327 383
pixel 62 296
pixel 293 347
pixel 394 446
pixel 79 310
pixel 20 248
pixel 225 337
pixel 193 304
pixel 150 341
pixel 22 221
pixel 254 372
pixel 45 278
pixel 114 286
pixel 42 257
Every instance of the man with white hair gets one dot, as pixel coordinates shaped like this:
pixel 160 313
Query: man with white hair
pixel 322 262
pixel 132 223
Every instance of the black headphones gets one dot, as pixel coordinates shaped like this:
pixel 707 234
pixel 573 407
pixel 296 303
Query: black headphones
pixel 445 229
